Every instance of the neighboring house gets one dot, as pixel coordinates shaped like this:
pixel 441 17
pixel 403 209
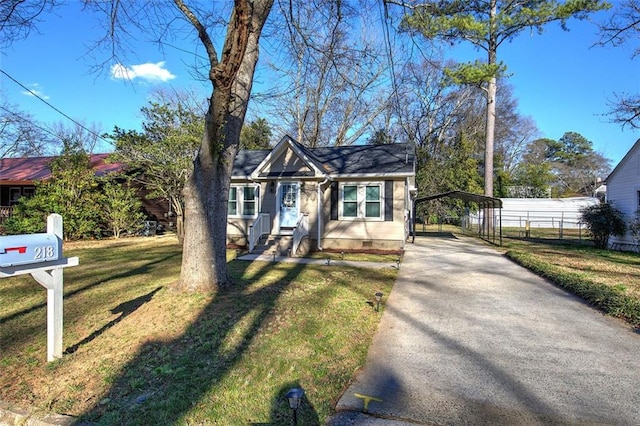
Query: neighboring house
pixel 18 177
pixel 330 198
pixel 623 193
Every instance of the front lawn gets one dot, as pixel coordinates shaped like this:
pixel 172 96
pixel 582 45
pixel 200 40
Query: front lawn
pixel 138 352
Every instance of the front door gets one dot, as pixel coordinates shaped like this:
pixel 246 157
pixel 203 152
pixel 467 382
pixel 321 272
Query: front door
pixel 289 205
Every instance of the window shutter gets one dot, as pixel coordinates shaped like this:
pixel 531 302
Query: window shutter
pixel 334 200
pixel 388 200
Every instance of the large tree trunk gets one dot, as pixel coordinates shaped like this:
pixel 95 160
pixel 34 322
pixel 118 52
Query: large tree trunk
pixel 204 265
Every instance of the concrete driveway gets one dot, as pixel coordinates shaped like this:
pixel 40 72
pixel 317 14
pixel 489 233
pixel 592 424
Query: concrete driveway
pixel 469 337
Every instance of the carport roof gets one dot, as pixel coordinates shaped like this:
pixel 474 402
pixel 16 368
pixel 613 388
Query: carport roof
pixel 483 200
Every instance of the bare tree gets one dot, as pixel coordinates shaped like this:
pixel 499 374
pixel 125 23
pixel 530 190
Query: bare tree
pixel 513 131
pixel 331 74
pixel 204 264
pixel 428 111
pixel 21 135
pixel 623 28
pixel 85 136
pixel 19 17
pixel 230 71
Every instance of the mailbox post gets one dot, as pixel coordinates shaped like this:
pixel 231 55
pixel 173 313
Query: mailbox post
pixel 41 256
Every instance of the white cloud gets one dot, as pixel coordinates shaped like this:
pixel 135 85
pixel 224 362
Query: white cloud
pixel 35 90
pixel 150 72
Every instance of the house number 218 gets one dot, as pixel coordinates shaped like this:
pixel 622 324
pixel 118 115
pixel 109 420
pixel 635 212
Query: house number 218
pixel 43 252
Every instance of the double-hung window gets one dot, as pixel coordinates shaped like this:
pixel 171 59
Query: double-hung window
pixel 243 201
pixel 232 208
pixel 362 200
pixel 249 201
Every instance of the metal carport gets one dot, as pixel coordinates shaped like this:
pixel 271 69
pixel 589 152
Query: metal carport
pixel 485 205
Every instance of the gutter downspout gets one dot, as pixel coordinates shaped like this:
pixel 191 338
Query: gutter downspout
pixel 319 220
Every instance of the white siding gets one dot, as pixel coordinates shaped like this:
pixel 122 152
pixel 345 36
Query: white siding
pixel 622 191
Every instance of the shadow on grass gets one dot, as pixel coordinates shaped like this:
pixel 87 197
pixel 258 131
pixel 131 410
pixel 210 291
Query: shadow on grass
pixel 169 379
pixel 67 295
pixel 124 309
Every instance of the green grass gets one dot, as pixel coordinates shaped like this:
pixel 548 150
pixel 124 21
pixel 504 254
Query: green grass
pixel 140 353
pixel 608 280
pixel 569 234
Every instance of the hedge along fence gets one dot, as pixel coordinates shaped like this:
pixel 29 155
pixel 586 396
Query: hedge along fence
pixel 610 300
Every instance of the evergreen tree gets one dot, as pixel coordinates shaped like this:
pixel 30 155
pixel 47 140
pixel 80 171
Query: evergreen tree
pixel 256 135
pixel 486 25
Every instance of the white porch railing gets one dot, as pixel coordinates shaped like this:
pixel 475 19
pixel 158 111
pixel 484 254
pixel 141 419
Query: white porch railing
pixel 301 231
pixel 5 213
pixel 261 226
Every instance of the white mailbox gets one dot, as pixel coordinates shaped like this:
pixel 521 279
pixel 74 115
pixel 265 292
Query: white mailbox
pixel 28 248
pixel 41 256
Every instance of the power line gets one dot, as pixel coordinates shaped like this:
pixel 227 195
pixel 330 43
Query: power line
pixel 53 107
pixel 384 16
pixel 44 129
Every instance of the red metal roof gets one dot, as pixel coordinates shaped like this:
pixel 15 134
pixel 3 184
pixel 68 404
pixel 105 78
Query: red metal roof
pixel 26 170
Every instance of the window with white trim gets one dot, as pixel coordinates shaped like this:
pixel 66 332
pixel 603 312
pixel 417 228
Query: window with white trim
pixel 249 201
pixel 232 208
pixel 243 201
pixel 361 201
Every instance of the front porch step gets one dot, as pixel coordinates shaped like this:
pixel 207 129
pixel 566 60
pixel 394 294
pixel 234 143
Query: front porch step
pixel 280 244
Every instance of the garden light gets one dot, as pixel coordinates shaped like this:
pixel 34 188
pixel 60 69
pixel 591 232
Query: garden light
pixel 295 397
pixel 378 299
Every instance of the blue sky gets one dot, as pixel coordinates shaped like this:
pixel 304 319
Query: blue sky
pixel 560 80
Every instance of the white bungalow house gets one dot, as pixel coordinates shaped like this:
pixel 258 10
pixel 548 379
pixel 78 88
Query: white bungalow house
pixel 623 192
pixel 297 199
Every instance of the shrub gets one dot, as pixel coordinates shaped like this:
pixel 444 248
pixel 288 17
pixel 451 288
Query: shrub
pixel 89 207
pixel 634 228
pixel 71 192
pixel 603 220
pixel 122 209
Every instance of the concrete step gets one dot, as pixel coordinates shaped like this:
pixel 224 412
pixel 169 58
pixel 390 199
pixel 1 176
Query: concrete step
pixel 280 244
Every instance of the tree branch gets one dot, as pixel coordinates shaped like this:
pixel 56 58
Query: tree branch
pixel 202 32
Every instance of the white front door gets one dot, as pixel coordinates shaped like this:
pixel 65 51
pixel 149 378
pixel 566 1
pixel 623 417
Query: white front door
pixel 289 204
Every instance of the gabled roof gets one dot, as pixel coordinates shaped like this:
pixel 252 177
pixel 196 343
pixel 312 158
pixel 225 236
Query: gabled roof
pixel 627 156
pixel 366 160
pixel 288 143
pixel 24 171
pixel 346 161
pixel 247 160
